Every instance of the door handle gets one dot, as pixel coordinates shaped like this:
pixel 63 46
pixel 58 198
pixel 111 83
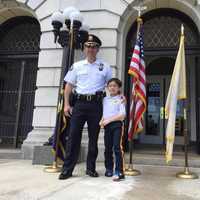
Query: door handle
pixel 162 112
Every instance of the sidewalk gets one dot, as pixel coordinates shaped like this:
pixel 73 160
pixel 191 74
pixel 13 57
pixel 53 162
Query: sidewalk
pixel 20 180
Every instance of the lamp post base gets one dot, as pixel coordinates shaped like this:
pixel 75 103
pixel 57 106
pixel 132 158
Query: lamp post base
pixel 131 172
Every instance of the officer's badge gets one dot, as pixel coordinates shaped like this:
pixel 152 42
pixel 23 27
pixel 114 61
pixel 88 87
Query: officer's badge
pixel 90 38
pixel 101 67
pixel 71 68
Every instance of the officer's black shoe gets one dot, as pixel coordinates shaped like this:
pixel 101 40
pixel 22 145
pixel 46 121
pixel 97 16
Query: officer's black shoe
pixel 65 175
pixel 108 173
pixel 92 173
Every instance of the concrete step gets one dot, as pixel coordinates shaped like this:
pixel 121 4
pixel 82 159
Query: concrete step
pixel 10 154
pixel 159 159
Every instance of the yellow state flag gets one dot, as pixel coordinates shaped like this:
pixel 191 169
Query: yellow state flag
pixel 177 90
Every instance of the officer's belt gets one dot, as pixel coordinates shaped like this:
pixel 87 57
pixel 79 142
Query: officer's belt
pixel 98 96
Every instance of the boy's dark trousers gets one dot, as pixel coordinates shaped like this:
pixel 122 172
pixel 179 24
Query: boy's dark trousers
pixel 113 141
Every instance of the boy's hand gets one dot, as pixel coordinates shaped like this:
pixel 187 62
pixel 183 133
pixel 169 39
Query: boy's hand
pixel 105 122
pixel 101 124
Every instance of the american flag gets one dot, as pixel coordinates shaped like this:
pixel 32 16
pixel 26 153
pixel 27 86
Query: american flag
pixel 138 94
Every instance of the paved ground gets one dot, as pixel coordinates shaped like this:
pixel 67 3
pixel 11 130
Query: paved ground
pixel 19 180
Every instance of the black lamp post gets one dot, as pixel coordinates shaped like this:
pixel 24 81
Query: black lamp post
pixel 70 33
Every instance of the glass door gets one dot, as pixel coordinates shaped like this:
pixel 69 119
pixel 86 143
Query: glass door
pixel 153 120
pixel 179 125
pixel 155 124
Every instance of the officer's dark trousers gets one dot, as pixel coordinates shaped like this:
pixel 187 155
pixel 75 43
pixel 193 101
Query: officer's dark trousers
pixel 83 111
pixel 113 141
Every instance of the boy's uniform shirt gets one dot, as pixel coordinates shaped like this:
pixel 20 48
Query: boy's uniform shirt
pixel 112 106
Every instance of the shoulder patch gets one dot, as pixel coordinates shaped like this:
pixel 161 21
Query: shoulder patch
pixel 71 68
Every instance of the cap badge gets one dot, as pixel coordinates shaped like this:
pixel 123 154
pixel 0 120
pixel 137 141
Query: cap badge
pixel 90 37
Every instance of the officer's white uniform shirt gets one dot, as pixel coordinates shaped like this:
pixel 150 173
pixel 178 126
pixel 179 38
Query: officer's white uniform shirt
pixel 112 106
pixel 89 78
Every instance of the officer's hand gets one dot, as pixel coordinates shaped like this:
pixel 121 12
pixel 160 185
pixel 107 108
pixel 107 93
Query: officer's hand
pixel 68 110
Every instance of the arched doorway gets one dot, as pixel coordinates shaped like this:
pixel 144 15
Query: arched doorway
pixel 19 49
pixel 161 41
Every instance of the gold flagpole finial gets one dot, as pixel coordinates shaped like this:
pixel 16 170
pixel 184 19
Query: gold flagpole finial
pixel 139 20
pixel 140 9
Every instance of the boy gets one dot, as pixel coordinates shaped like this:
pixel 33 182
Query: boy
pixel 113 115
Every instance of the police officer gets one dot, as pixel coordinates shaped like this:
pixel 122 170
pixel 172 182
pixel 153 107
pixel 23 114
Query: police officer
pixel 89 78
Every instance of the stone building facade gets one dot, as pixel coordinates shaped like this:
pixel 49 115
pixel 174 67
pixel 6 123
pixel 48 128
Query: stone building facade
pixel 114 21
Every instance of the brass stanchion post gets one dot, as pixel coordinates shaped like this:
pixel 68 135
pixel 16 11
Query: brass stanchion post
pixel 130 171
pixel 186 174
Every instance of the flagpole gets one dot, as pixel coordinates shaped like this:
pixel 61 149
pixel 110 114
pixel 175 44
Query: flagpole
pixel 130 171
pixel 186 174
pixel 68 52
pixel 55 168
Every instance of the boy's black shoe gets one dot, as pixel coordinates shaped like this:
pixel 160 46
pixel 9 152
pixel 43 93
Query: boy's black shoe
pixel 65 175
pixel 118 176
pixel 108 173
pixel 121 176
pixel 92 173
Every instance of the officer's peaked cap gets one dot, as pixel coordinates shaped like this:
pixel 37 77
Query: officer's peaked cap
pixel 94 40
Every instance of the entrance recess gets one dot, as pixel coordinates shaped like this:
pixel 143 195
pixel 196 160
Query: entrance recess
pixel 160 50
